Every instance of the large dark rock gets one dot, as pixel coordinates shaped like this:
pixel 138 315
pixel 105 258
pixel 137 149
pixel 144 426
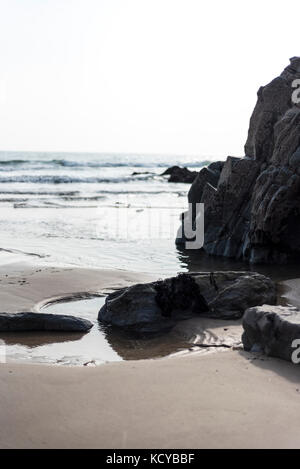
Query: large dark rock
pixel 272 330
pixel 18 322
pixel 253 212
pixel 158 305
pixel 178 174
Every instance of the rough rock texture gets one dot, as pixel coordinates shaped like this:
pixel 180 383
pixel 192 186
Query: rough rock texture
pixel 178 174
pixel 158 305
pixel 229 294
pixel 208 175
pixel 42 322
pixel 253 211
pixel 272 330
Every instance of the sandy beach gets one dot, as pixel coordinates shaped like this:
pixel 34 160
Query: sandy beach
pixel 223 399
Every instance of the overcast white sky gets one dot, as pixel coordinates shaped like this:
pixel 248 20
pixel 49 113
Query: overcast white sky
pixel 152 76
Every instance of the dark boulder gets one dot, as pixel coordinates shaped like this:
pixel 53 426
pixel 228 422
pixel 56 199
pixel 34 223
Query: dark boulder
pixel 17 322
pixel 272 330
pixel 156 306
pixel 178 174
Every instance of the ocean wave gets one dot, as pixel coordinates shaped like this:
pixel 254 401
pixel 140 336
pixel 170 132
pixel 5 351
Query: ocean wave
pixel 22 200
pixel 37 193
pixel 48 205
pixel 64 179
pixel 142 192
pixel 18 251
pixel 11 162
pixel 101 195
pixel 7 165
pixel 116 205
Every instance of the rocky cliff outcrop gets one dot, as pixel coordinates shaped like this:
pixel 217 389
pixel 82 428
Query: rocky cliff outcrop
pixel 252 208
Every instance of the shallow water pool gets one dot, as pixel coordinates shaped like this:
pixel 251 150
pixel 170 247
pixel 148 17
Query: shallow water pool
pixel 100 345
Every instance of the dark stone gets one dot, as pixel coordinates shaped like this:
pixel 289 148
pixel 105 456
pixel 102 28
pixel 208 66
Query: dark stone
pixel 271 330
pixel 158 305
pixel 17 322
pixel 137 173
pixel 178 174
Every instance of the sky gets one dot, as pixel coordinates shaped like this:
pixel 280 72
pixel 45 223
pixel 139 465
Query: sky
pixel 138 76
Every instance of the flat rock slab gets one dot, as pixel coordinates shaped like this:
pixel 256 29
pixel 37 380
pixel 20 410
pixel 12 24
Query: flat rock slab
pixel 156 306
pixel 272 330
pixel 19 322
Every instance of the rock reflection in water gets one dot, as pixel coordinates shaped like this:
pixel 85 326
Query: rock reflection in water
pixel 37 339
pixel 195 260
pixel 105 343
pixel 187 334
pixel 134 346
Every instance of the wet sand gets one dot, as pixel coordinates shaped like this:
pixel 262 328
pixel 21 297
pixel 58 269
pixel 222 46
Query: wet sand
pixel 228 399
pixel 24 284
pixel 222 400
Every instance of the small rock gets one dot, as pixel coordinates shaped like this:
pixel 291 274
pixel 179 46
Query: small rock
pixel 17 322
pixel 178 174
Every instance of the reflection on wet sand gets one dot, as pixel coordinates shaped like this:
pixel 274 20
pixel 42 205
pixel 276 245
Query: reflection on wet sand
pixel 132 347
pixel 187 334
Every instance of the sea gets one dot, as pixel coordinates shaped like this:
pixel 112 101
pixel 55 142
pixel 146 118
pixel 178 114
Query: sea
pixel 94 210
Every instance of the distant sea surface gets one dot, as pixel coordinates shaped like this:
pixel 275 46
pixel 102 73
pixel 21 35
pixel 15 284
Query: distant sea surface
pixel 89 210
